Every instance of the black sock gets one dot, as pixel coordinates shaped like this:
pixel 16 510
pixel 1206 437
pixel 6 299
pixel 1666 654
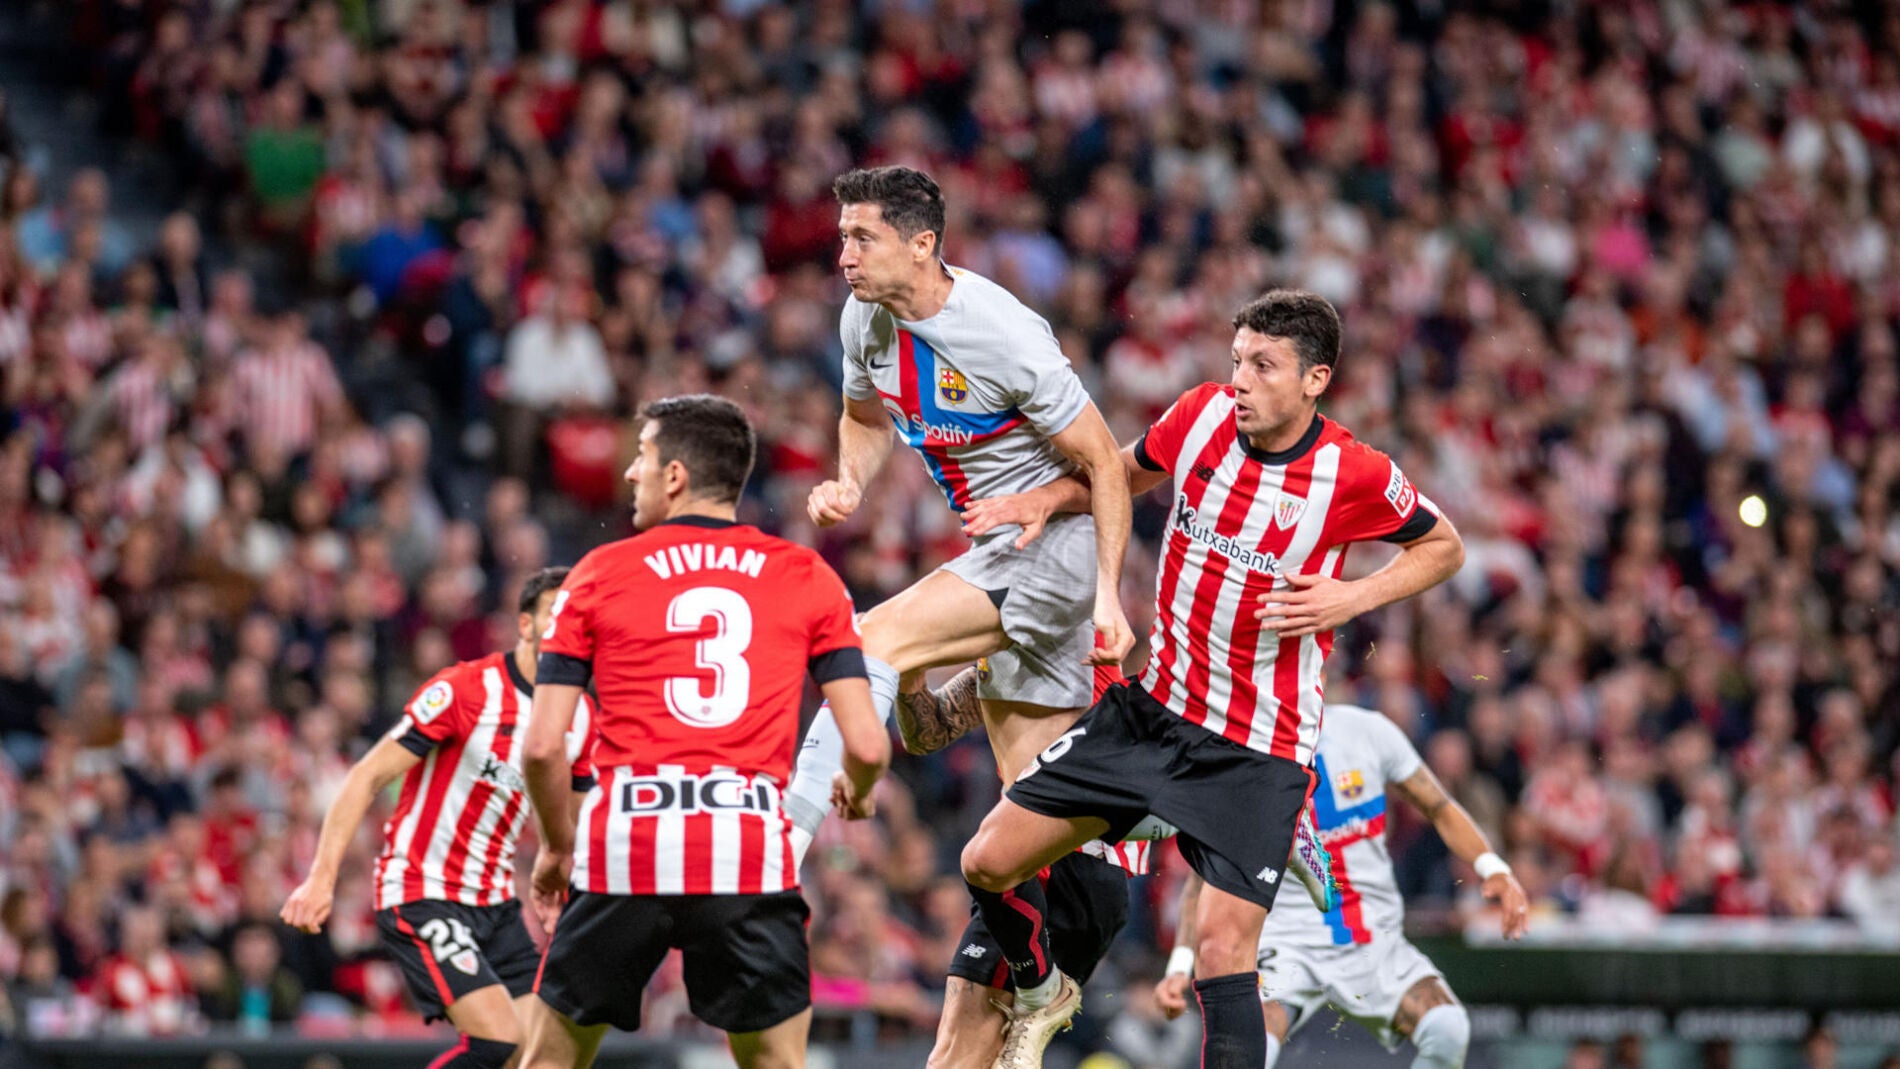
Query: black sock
pixel 1233 1034
pixel 1017 919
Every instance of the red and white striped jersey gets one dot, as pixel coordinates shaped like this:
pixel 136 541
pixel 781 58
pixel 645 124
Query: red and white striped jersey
pixel 452 836
pixel 697 634
pixel 1244 519
pixel 280 392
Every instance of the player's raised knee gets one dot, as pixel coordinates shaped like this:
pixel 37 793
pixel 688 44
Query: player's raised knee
pixel 1442 1035
pixel 984 866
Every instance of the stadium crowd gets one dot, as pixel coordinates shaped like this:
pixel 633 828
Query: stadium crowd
pixel 1620 285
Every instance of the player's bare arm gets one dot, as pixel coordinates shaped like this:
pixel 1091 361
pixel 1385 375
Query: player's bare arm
pixel 1318 603
pixel 867 748
pixel 1088 443
pixel 1032 509
pixel 545 767
pixel 928 720
pixel 865 435
pixel 309 905
pixel 1468 842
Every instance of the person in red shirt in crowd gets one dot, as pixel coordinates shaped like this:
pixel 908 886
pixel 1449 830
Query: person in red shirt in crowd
pixel 143 988
pixel 683 842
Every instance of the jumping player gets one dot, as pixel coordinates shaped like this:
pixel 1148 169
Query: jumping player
pixel 1217 736
pixel 974 381
pixel 1087 897
pixel 1087 890
pixel 697 633
pixel 445 883
pixel 1355 955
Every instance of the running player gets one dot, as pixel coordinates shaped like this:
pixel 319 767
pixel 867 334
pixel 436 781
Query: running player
pixel 445 883
pixel 1217 737
pixel 1355 955
pixel 697 633
pixel 974 381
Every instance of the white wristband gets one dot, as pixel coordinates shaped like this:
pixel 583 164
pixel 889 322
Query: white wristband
pixel 1489 864
pixel 1181 962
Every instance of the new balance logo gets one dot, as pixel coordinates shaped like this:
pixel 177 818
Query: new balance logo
pixel 1202 472
pixel 1269 875
pixel 975 950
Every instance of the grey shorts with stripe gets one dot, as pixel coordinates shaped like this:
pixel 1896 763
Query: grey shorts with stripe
pixel 1048 606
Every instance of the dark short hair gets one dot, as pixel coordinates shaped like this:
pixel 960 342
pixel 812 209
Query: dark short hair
pixel 710 436
pixel 909 199
pixel 1308 320
pixel 538 584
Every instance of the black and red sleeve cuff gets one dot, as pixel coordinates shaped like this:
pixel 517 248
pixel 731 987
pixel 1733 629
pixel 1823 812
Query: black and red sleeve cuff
pixel 1143 457
pixel 583 784
pixel 1420 525
pixel 416 742
pixel 846 663
pixel 563 670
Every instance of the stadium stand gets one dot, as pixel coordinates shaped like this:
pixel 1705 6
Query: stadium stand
pixel 1620 285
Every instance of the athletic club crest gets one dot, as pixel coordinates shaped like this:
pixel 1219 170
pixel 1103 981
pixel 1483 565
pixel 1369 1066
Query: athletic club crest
pixel 1350 784
pixel 1287 511
pixel 951 384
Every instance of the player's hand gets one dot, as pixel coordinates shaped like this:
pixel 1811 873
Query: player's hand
pixel 309 905
pixel 832 502
pixel 548 892
pixel 848 802
pixel 1113 637
pixel 1503 889
pixel 1171 995
pixel 1314 603
pixel 1025 510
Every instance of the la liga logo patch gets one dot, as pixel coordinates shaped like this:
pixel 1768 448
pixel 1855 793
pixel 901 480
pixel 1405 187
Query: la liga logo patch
pixel 952 385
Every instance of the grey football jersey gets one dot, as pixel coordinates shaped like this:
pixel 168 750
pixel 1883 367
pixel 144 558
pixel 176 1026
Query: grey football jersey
pixel 977 389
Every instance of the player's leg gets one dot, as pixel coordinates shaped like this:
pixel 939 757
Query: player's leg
pixel 1278 1022
pixel 970 1032
pixel 1227 941
pixel 604 950
pixel 554 1041
pixel 941 619
pixel 491 1033
pixel 1436 1023
pixel 781 1046
pixel 747 969
pixel 435 945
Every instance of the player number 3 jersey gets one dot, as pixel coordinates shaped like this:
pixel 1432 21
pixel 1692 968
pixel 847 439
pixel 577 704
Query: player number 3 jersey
pixel 1243 520
pixel 698 635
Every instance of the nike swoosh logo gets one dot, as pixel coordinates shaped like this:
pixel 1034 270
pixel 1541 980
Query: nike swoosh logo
pixel 880 367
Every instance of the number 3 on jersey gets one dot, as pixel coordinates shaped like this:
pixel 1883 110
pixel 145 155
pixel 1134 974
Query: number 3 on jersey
pixel 721 653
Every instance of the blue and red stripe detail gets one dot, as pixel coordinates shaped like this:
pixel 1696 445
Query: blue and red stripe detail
pixel 1347 919
pixel 924 421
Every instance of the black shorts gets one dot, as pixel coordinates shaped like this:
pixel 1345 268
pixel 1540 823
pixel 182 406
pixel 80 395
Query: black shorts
pixel 747 963
pixel 1129 757
pixel 447 950
pixel 1088 906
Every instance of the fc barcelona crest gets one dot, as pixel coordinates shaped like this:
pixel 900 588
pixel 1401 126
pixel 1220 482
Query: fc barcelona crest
pixel 1287 511
pixel 1350 784
pixel 951 384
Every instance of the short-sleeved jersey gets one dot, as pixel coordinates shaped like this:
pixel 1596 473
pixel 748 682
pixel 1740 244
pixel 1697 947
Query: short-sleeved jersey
pixel 977 389
pixel 1360 754
pixel 461 811
pixel 1244 519
pixel 697 635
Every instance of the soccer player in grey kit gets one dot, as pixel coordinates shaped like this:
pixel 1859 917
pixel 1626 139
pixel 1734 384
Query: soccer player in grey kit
pixel 973 381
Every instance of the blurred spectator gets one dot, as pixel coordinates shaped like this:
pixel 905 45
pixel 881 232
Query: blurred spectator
pixel 1619 290
pixel 1144 1037
pixel 143 987
pixel 257 990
